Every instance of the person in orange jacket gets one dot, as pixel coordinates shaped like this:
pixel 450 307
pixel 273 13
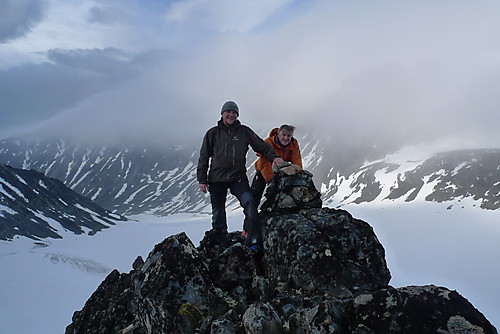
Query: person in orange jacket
pixel 286 146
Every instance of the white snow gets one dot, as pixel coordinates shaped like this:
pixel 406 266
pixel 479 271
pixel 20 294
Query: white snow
pixel 4 192
pixel 50 166
pixel 129 166
pixel 42 284
pixel 80 168
pixel 122 190
pixel 314 156
pixel 95 215
pixel 69 169
pixel 96 161
pixel 21 179
pixel 41 287
pixel 96 194
pixel 131 197
pixel 27 155
pixel 426 188
pixel 459 167
pixel 75 184
pixel 6 209
pixel 55 225
pixel 80 207
pixel 16 190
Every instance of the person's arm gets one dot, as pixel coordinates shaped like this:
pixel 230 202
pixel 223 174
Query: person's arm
pixel 296 156
pixel 203 162
pixel 260 146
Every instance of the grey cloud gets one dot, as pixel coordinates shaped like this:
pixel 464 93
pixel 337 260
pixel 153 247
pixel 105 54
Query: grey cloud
pixel 394 105
pixel 35 92
pixel 362 84
pixel 19 17
pixel 105 61
pixel 108 15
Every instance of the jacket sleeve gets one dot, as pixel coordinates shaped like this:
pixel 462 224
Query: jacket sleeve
pixel 263 165
pixel 203 160
pixel 260 146
pixel 296 156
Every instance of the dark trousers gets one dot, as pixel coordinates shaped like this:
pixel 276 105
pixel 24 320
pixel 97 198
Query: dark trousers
pixel 258 186
pixel 242 191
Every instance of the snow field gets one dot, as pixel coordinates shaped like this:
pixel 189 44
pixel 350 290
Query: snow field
pixel 43 283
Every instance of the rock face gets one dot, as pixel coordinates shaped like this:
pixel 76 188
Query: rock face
pixel 325 273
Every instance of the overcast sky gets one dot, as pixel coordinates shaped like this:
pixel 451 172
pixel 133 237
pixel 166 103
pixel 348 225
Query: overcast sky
pixel 162 69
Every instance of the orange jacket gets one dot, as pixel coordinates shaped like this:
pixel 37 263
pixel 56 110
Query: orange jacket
pixel 290 153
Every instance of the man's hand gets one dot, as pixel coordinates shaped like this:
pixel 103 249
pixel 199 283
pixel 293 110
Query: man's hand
pixel 278 161
pixel 204 187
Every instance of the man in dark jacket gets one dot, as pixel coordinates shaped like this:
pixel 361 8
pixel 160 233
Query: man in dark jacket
pixel 222 166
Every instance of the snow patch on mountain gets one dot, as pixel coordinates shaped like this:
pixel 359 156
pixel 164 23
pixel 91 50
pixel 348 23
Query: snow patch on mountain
pixel 421 173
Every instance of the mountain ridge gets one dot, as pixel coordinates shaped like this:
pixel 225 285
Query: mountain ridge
pixel 139 179
pixel 443 177
pixel 39 207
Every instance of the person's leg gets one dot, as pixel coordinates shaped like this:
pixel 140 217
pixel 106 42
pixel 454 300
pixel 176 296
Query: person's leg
pixel 258 186
pixel 218 194
pixel 252 225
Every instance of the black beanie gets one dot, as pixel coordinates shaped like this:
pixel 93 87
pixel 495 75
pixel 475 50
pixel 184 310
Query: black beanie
pixel 230 105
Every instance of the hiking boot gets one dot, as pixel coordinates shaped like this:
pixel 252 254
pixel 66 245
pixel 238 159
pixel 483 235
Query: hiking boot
pixel 217 236
pixel 257 250
pixel 256 247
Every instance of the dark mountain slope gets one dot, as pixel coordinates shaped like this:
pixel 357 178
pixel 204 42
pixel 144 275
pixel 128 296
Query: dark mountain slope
pixel 35 206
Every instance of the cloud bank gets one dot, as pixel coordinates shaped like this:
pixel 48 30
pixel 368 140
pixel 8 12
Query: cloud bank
pixel 364 73
pixel 19 17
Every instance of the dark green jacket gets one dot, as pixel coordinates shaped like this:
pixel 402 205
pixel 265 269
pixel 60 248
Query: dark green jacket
pixel 225 148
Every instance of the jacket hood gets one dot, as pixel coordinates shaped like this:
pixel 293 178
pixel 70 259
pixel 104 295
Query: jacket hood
pixel 273 132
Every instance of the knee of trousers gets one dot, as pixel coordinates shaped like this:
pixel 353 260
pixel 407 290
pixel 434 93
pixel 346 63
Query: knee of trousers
pixel 247 200
pixel 250 210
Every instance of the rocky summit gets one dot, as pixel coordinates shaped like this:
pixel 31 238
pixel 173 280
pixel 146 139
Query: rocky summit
pixel 323 271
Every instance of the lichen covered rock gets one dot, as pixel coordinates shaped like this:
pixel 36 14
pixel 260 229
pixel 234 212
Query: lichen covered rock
pixel 325 273
pixel 324 251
